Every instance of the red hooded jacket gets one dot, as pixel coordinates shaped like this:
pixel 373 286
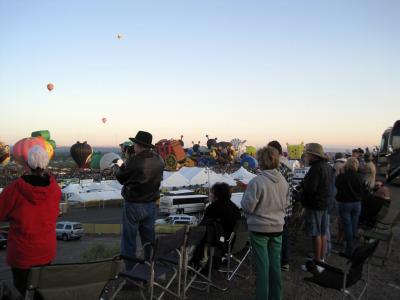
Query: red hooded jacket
pixel 32 212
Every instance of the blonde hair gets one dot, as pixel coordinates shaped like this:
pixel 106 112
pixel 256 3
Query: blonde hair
pixel 352 164
pixel 268 158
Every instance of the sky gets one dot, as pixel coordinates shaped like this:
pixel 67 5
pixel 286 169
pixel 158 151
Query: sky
pixel 311 71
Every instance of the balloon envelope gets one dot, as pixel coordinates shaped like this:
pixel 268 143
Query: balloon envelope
pixel 104 120
pixel 95 161
pixel 50 86
pixel 107 159
pixel 22 147
pixel 4 154
pixel 81 153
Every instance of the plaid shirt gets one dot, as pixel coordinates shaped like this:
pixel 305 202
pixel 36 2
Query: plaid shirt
pixel 288 174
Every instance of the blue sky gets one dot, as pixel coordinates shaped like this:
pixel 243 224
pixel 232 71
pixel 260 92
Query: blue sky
pixel 325 71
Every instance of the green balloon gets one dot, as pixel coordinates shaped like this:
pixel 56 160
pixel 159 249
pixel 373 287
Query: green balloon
pixel 95 161
pixel 43 133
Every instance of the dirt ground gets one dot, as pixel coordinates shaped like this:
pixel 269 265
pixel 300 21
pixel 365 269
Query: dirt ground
pixel 384 282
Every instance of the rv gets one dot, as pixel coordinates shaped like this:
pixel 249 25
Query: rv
pixel 388 160
pixel 182 201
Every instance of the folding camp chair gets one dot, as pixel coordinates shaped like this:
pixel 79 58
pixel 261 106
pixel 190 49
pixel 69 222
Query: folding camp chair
pixel 72 281
pixel 238 244
pixel 342 279
pixel 192 274
pixel 147 274
pixel 383 232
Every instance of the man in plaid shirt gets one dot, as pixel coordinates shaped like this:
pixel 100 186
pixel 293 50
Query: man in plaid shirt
pixel 286 171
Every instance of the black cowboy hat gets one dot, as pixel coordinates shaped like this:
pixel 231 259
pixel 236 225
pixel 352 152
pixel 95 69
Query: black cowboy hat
pixel 143 138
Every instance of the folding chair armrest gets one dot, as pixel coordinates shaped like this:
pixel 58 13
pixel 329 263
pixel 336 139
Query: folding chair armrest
pixel 328 267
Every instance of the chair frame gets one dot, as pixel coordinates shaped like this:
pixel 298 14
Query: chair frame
pixel 31 289
pixel 229 256
pixel 387 230
pixel 345 271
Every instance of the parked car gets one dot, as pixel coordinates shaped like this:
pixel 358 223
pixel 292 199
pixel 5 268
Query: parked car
pixel 178 219
pixel 69 230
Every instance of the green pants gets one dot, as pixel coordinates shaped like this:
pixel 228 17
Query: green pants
pixel 267 256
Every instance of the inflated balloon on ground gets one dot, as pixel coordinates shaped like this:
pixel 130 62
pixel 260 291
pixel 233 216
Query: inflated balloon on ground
pixel 107 160
pixel 81 153
pixel 4 154
pixel 22 147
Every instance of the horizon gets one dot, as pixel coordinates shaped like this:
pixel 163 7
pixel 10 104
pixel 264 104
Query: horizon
pixel 255 70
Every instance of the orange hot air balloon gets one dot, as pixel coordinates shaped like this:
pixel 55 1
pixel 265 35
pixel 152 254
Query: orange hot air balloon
pixel 22 147
pixel 50 86
pixel 104 120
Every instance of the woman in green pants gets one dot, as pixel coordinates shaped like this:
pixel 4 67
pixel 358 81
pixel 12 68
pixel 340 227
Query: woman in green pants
pixel 264 204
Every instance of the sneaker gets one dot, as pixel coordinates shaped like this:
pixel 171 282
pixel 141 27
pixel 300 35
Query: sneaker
pixel 285 268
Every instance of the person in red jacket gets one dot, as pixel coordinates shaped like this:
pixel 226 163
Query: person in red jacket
pixel 31 205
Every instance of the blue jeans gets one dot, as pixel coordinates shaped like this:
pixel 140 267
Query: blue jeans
pixel 137 216
pixel 350 213
pixel 285 253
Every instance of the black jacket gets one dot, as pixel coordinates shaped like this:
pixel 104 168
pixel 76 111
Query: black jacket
pixel 317 186
pixel 350 187
pixel 141 177
pixel 226 211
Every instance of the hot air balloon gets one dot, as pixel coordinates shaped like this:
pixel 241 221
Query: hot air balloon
pixel 119 36
pixel 22 147
pixel 249 162
pixel 42 133
pixel 81 153
pixel 107 159
pixel 4 154
pixel 104 120
pixel 50 86
pixel 49 144
pixel 251 150
pixel 95 161
pixel 49 149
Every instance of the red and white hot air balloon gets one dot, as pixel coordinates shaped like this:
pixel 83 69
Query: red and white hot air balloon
pixel 50 86
pixel 104 120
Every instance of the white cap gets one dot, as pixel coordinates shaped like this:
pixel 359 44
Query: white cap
pixel 38 158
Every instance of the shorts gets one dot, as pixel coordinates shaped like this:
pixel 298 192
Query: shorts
pixel 316 222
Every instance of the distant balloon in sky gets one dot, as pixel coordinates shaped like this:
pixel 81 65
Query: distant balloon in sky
pixel 104 120
pixel 119 36
pixel 50 86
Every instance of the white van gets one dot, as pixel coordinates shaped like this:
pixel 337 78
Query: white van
pixel 178 219
pixel 184 201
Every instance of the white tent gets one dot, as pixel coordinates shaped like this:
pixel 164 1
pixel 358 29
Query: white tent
pixel 243 175
pixel 98 186
pixel 73 188
pixel 226 178
pixel 174 180
pixel 113 184
pixel 197 176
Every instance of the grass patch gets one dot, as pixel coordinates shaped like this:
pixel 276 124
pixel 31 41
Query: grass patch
pixel 99 251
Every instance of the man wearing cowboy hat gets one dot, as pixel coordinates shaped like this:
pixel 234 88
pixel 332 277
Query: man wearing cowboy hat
pixel 141 177
pixel 315 197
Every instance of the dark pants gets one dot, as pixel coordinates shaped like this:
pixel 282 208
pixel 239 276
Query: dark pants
pixel 137 217
pixel 285 253
pixel 20 279
pixel 349 214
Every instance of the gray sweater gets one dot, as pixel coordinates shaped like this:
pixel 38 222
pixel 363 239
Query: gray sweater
pixel 265 201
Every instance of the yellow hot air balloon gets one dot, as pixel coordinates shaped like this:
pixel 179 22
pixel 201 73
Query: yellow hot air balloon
pixel 49 149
